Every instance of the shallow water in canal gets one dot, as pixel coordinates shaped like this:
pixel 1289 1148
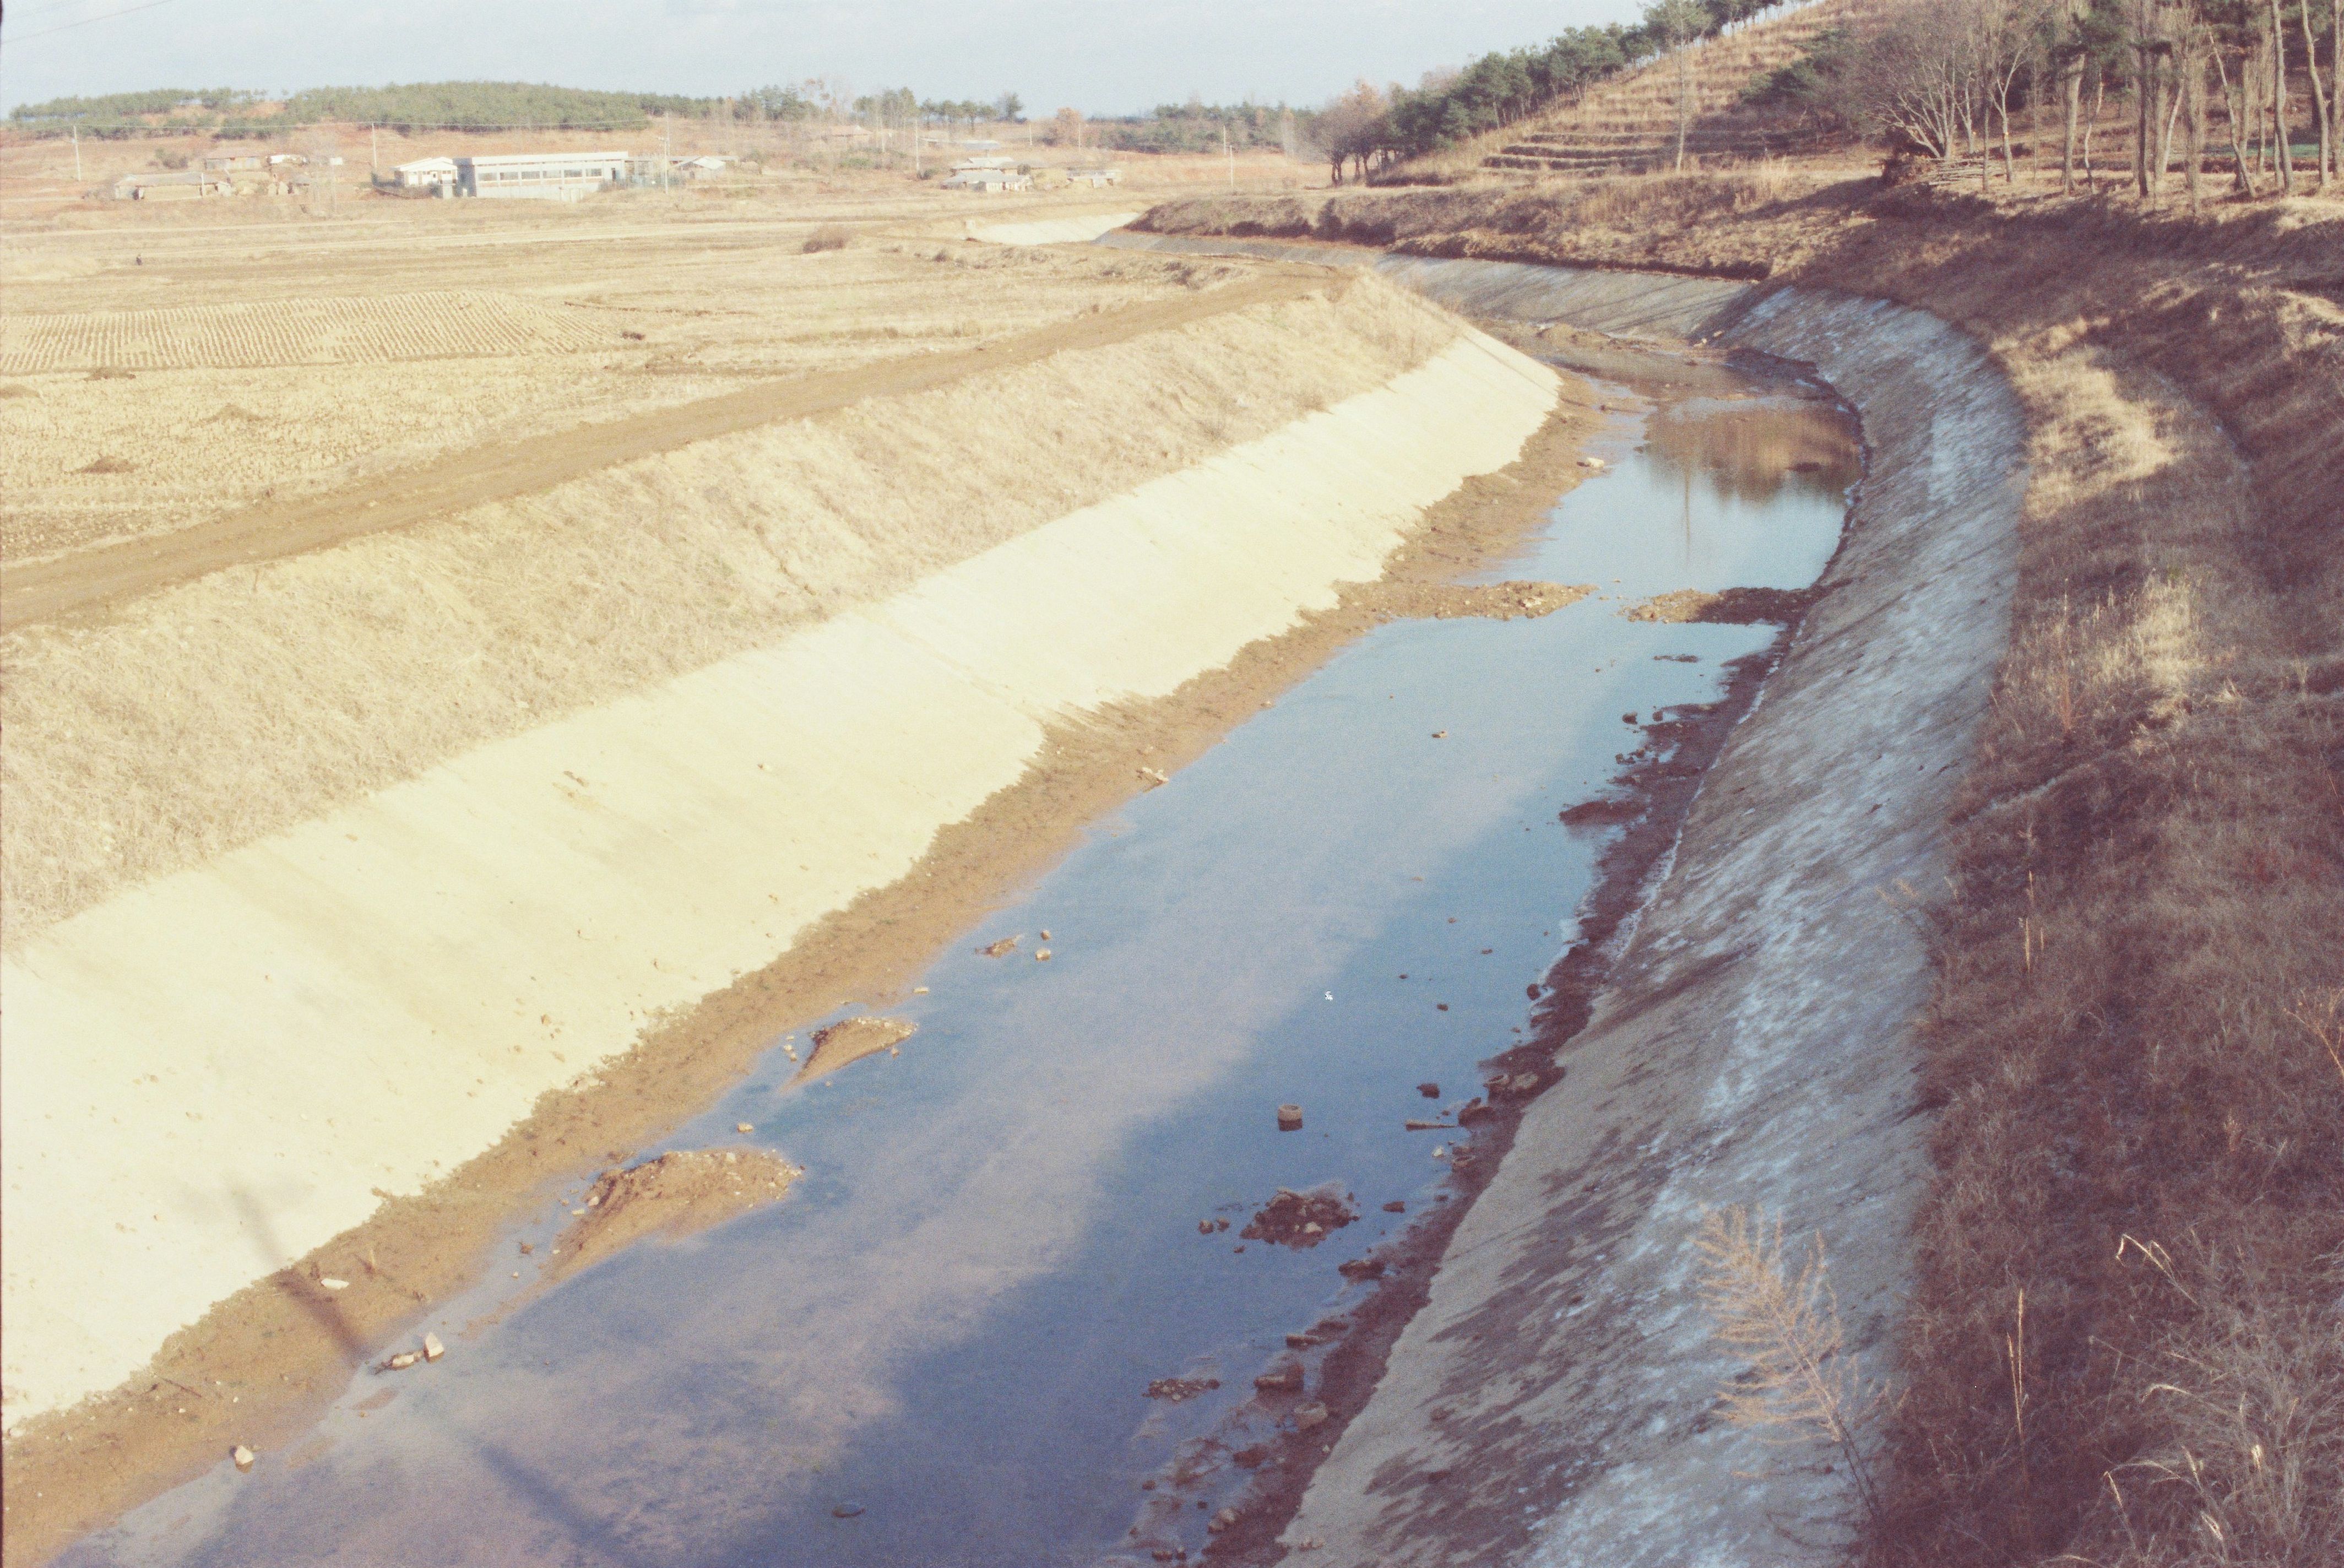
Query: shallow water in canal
pixel 937 1350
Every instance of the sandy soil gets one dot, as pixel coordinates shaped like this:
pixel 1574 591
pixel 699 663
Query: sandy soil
pixel 267 1359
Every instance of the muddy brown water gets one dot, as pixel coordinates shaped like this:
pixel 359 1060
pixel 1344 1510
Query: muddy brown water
pixel 938 1347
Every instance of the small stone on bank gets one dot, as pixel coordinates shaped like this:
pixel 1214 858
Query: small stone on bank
pixel 742 1127
pixel 244 1457
pixel 330 1283
pixel 1289 1118
pixel 432 1349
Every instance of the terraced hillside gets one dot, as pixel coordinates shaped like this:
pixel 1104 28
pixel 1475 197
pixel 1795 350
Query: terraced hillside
pixel 1628 126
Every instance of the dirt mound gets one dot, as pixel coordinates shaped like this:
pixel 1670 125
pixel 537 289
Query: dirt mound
pixel 1729 607
pixel 851 1041
pixel 1301 1219
pixel 1495 601
pixel 679 1194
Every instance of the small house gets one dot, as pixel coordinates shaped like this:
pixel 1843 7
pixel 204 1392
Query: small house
pixel 437 174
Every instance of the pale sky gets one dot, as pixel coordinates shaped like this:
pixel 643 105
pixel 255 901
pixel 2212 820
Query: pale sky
pixel 1104 56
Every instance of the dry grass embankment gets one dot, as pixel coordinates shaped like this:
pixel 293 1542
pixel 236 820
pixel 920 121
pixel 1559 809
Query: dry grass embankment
pixel 208 715
pixel 129 411
pixel 2133 1046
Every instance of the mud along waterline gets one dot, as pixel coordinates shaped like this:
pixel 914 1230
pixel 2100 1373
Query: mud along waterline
pixel 938 1346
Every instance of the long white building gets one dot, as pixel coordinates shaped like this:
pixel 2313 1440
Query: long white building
pixel 559 176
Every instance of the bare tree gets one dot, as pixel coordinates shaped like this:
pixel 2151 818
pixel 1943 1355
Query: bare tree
pixel 322 151
pixel 2006 35
pixel 2279 136
pixel 1914 77
pixel 1350 128
pixel 2318 92
pixel 1680 22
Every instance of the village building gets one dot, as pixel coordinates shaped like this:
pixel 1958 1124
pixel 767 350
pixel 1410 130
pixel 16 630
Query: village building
pixel 1096 178
pixel 552 177
pixel 437 174
pixel 988 181
pixel 178 187
pixel 225 162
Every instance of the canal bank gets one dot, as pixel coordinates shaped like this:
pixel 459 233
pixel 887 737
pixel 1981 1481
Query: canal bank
pixel 1557 1399
pixel 987 1323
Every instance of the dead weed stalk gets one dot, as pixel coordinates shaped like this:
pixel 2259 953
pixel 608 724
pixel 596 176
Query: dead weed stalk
pixel 1800 1384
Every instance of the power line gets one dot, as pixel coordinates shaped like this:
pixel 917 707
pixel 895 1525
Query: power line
pixel 69 26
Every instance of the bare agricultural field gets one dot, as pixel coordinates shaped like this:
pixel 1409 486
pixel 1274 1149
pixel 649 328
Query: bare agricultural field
pixel 340 331
pixel 157 375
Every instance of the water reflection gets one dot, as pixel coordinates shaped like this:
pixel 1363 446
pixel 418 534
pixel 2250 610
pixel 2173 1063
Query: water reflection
pixel 1754 448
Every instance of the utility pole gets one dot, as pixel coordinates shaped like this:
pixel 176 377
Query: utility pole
pixel 667 149
pixel 77 141
pixel 374 151
pixel 1229 153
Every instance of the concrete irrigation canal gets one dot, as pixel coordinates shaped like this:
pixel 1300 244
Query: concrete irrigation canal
pixel 1309 1160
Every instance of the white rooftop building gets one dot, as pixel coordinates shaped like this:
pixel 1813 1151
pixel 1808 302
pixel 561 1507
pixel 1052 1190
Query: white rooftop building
pixel 556 177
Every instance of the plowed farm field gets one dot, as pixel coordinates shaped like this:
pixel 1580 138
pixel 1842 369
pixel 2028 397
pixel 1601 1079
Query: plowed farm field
pixel 338 332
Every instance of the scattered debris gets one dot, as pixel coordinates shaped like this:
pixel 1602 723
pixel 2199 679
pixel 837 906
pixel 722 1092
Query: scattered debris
pixel 1428 1089
pixel 1284 1379
pixel 1473 1110
pixel 1310 1415
pixel 1221 1521
pixel 330 1283
pixel 1362 1269
pixel 401 1361
pixel 742 1127
pixel 432 1349
pixel 1289 1118
pixel 1155 777
pixel 1396 1206
pixel 1206 1227
pixel 1041 954
pixel 1177 1388
pixel 1003 948
pixel 848 1510
pixel 1414 1125
pixel 1440 734
pixel 1592 463
pixel 244 1457
pixel 1301 1219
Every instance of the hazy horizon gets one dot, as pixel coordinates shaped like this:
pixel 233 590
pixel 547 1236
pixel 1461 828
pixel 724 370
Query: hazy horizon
pixel 1100 59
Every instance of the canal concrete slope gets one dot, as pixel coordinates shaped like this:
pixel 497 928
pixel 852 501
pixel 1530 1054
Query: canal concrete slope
pixel 210 1075
pixel 1557 1402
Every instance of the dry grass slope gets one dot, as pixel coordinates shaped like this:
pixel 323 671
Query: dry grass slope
pixel 208 716
pixel 2133 1046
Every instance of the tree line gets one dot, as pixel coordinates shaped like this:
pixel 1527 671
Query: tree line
pixel 422 106
pixel 1951 80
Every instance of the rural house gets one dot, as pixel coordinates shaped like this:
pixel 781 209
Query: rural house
pixel 438 175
